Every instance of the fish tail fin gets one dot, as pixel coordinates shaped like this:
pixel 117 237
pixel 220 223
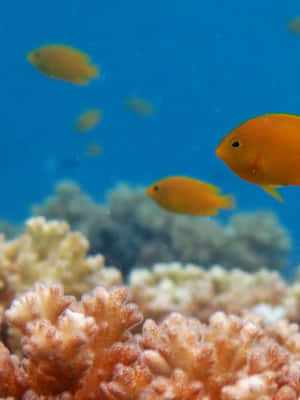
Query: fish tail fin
pixel 94 71
pixel 227 201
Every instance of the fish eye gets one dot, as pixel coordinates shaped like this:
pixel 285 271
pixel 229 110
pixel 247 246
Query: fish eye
pixel 155 188
pixel 236 143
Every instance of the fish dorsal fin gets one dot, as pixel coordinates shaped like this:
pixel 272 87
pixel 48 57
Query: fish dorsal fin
pixel 272 191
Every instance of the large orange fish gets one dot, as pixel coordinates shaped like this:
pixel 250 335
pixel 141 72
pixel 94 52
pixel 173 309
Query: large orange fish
pixel 64 62
pixel 265 151
pixel 185 195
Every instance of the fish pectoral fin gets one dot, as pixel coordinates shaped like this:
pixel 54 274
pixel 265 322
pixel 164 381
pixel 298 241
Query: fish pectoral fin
pixel 272 191
pixel 81 80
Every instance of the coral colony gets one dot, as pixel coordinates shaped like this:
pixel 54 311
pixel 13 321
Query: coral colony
pixel 130 232
pixel 173 332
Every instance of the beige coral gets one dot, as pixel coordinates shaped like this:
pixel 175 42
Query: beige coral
pixel 48 252
pixel 194 291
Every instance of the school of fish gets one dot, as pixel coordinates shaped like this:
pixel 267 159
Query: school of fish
pixel 265 150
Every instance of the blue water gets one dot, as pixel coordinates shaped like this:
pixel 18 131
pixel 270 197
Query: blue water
pixel 206 66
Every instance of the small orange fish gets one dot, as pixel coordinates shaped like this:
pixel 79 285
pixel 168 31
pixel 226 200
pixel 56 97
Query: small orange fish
pixel 63 62
pixel 294 26
pixel 88 120
pixel 93 150
pixel 138 105
pixel 184 195
pixel 265 150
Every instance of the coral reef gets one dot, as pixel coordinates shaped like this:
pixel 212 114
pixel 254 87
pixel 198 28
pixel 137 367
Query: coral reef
pixel 84 350
pixel 66 339
pixel 195 291
pixel 48 252
pixel 131 231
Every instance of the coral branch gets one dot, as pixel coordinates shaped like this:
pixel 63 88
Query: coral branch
pixel 55 339
pixel 228 359
pixel 113 318
pixel 12 382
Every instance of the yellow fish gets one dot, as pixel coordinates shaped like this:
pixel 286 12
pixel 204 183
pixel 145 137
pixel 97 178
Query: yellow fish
pixel 138 105
pixel 63 62
pixel 265 150
pixel 184 195
pixel 93 150
pixel 294 26
pixel 88 120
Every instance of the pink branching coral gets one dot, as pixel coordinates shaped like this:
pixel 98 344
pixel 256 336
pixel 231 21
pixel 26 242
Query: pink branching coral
pixel 11 377
pixel 84 350
pixel 70 347
pixel 228 359
pixel 55 339
pixel 111 343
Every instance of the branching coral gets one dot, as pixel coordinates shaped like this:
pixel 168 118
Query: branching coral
pixel 48 252
pixel 55 339
pixel 70 347
pixel 132 231
pixel 84 350
pixel 111 343
pixel 228 359
pixel 194 291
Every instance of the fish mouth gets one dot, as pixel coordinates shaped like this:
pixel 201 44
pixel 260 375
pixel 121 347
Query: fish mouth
pixel 221 145
pixel 218 152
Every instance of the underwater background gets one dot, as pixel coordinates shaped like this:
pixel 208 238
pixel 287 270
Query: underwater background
pixel 104 295
pixel 205 66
